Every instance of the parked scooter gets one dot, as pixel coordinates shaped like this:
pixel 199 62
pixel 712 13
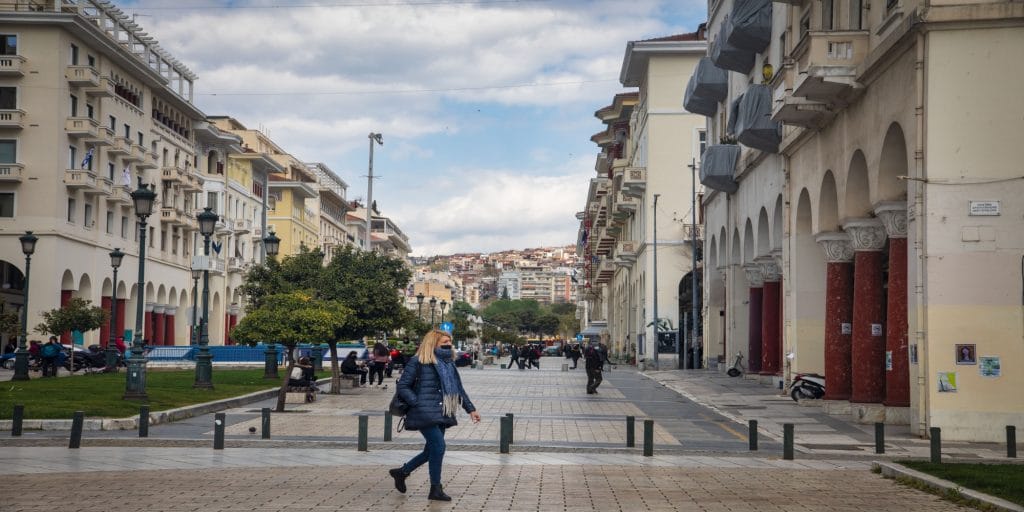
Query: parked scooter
pixel 807 386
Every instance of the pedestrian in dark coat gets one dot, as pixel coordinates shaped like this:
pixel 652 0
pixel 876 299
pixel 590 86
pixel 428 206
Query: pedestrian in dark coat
pixel 594 364
pixel 514 352
pixel 431 385
pixel 576 354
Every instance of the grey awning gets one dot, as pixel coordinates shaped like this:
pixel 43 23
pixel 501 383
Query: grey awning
pixel 718 165
pixel 734 112
pixel 727 56
pixel 595 329
pixel 754 125
pixel 751 22
pixel 698 104
pixel 710 81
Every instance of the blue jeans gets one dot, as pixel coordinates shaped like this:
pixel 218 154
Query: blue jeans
pixel 433 453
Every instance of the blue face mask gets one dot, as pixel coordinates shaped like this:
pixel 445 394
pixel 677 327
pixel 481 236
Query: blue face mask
pixel 443 353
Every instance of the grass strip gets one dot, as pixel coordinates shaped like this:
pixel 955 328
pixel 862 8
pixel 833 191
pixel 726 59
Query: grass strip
pixel 1004 481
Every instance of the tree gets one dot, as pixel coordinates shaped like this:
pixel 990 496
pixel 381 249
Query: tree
pixel 290 319
pixel 78 315
pixel 10 323
pixel 300 271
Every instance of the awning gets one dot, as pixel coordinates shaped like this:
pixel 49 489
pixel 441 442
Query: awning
pixel 754 126
pixel 698 104
pixel 727 56
pixel 708 86
pixel 751 22
pixel 718 165
pixel 594 329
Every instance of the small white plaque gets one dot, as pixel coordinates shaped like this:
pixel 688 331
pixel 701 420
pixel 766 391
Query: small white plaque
pixel 876 329
pixel 984 208
pixel 846 328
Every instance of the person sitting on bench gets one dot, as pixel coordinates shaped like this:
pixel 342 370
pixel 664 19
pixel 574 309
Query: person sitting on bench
pixel 350 366
pixel 302 374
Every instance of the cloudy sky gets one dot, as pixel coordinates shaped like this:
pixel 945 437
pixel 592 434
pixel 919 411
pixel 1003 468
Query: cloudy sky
pixel 486 106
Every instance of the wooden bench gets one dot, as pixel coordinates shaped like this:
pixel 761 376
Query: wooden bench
pixel 301 394
pixel 354 377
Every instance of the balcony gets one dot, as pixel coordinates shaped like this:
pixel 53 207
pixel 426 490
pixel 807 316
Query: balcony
pixel 605 271
pixel 202 262
pixel 82 76
pixel 173 175
pixel 172 216
pixel 795 111
pixel 120 194
pixel 148 161
pixel 11 119
pixel 10 65
pixel 242 226
pixel 78 127
pixel 87 181
pixel 827 65
pixel 634 181
pixel 235 265
pixel 604 243
pixel 11 173
pixel 192 182
pixel 625 206
pixel 103 89
pixel 625 250
pixel 136 153
pixel 119 146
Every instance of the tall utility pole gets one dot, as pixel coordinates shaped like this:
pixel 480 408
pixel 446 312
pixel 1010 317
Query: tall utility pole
pixel 379 139
pixel 656 340
pixel 693 272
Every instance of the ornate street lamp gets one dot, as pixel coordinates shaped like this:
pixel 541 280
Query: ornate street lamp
pixel 271 243
pixel 433 303
pixel 143 199
pixel 28 247
pixel 115 261
pixel 419 305
pixel 379 139
pixel 196 274
pixel 444 304
pixel 204 368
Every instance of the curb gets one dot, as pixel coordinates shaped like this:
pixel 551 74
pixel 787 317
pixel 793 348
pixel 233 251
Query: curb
pixel 893 470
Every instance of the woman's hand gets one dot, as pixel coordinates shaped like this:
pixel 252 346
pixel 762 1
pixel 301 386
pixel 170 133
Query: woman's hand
pixel 475 416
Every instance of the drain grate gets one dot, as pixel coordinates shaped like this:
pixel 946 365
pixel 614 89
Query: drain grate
pixel 831 447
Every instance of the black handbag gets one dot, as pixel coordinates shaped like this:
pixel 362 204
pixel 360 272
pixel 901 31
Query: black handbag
pixel 399 407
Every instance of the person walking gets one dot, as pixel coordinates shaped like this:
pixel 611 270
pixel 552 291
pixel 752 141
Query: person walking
pixel 433 389
pixel 514 359
pixel 594 365
pixel 575 353
pixel 379 361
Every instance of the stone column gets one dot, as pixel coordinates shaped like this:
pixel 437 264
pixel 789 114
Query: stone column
pixel 105 303
pixel 147 326
pixel 158 324
pixel 770 321
pixel 755 280
pixel 169 313
pixel 867 236
pixel 897 374
pixel 838 313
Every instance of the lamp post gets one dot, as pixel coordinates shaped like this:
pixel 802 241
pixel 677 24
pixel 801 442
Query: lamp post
pixel 443 305
pixel 135 382
pixel 379 139
pixel 196 274
pixel 271 243
pixel 696 363
pixel 433 303
pixel 204 368
pixel 419 305
pixel 657 341
pixel 115 261
pixel 28 246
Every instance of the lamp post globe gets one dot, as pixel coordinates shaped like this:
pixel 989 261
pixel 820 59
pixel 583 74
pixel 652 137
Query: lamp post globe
pixel 28 248
pixel 444 304
pixel 433 304
pixel 419 305
pixel 112 353
pixel 143 199
pixel 204 367
pixel 271 244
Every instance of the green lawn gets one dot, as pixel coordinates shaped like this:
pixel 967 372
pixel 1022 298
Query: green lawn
pixel 99 395
pixel 1005 481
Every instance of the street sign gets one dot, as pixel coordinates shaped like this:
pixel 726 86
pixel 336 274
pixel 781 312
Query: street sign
pixel 579 337
pixel 447 327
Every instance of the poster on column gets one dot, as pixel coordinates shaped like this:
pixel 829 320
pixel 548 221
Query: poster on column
pixel 989 366
pixel 947 382
pixel 888 360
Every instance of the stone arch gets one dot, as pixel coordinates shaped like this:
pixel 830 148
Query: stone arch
pixel 67 281
pixel 712 254
pixel 212 159
pixel 828 204
pixel 84 290
pixel 857 201
pixel 807 287
pixel 892 165
pixel 122 290
pixel 763 234
pixel 106 288
pixel 748 242
pixel 737 255
pixel 723 246
pixel 777 224
pixel 150 292
pixel 161 295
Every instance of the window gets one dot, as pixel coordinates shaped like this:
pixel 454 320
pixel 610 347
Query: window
pixel 7 204
pixel 91 60
pixel 110 222
pixel 805 24
pixel 72 157
pixel 8 44
pixel 702 142
pixel 87 221
pixel 8 151
pixel 74 55
pixel 71 209
pixel 90 112
pixel 8 98
pixel 856 14
pixel 137 229
pixel 141 139
pixel 163 240
pixel 127 132
pixel 152 233
pixel 211 200
pixel 74 106
pixel 113 124
pixel 827 15
pixel 124 226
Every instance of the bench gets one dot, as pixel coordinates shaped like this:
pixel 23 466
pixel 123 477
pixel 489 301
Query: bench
pixel 354 377
pixel 300 394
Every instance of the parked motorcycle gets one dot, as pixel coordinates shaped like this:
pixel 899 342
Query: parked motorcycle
pixel 807 386
pixel 93 359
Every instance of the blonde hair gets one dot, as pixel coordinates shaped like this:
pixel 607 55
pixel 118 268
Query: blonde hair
pixel 430 341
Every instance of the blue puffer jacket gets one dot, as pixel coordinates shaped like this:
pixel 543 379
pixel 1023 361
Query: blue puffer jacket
pixel 420 387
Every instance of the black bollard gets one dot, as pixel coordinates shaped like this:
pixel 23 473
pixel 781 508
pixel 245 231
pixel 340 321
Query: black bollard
pixel 143 421
pixel 879 437
pixel 648 438
pixel 219 419
pixel 787 441
pixel 387 425
pixel 630 431
pixel 19 415
pixel 752 435
pixel 1011 441
pixel 364 425
pixel 505 434
pixel 935 433
pixel 76 430
pixel 265 423
pixel 511 427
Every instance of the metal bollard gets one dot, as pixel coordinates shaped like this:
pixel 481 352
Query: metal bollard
pixel 752 435
pixel 219 419
pixel 935 433
pixel 630 431
pixel 387 425
pixel 879 437
pixel 143 421
pixel 648 438
pixel 265 423
pixel 511 427
pixel 19 415
pixel 1011 441
pixel 364 423
pixel 787 441
pixel 76 430
pixel 506 434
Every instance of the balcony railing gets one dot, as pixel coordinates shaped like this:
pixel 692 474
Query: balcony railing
pixel 77 127
pixel 172 216
pixel 136 153
pixel 119 146
pixel 11 172
pixel 173 175
pixel 82 76
pixel 634 181
pixel 10 65
pixel 120 194
pixel 235 264
pixel 87 181
pixel 104 88
pixel 11 119
pixel 827 64
pixel 243 225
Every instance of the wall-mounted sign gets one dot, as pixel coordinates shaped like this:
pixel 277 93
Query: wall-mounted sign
pixel 876 329
pixel 983 208
pixel 947 382
pixel 846 328
pixel 989 366
pixel 888 360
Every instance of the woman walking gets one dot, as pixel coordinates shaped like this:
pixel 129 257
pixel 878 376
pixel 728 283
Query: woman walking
pixel 381 357
pixel 431 386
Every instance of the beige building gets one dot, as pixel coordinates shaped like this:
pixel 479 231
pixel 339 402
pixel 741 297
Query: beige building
pixel 333 209
pixel 873 233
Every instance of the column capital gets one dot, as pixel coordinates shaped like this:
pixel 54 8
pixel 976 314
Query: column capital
pixel 776 254
pixel 836 245
pixel 723 271
pixel 234 309
pixel 770 271
pixel 866 235
pixel 170 310
pixel 893 215
pixel 158 309
pixel 755 277
pixel 149 307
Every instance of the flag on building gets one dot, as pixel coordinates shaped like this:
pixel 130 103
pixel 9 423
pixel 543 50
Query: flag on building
pixel 87 161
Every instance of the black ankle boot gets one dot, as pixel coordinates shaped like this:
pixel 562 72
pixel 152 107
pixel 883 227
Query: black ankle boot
pixel 399 475
pixel 436 493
